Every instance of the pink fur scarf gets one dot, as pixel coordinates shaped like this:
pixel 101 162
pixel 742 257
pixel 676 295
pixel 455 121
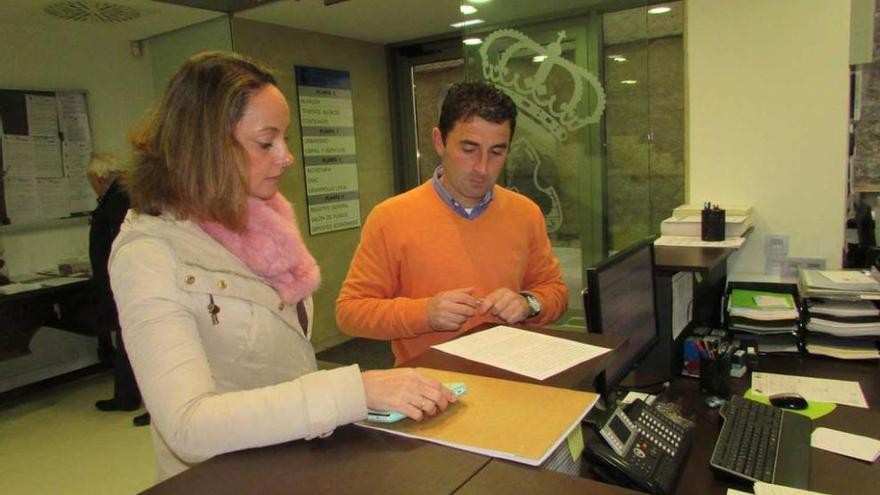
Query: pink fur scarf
pixel 272 246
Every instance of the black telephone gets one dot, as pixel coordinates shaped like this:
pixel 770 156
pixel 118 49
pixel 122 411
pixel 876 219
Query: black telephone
pixel 645 450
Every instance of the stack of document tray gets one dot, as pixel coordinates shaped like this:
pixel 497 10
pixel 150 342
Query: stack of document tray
pixel 842 314
pixel 766 316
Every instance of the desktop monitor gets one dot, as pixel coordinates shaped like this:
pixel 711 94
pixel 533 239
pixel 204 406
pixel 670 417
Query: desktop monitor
pixel 619 299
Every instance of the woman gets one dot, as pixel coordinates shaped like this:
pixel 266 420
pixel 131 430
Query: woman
pixel 213 282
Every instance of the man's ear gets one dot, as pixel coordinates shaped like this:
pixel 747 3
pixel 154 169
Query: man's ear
pixel 437 139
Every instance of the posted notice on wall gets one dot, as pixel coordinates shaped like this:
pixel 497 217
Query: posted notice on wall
pixel 45 147
pixel 329 157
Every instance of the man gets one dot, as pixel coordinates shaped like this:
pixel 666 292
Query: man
pixel 103 174
pixel 458 250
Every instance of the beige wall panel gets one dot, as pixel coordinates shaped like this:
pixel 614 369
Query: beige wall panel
pixel 282 48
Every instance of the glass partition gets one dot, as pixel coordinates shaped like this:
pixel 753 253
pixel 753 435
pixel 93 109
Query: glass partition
pixel 644 120
pixel 599 144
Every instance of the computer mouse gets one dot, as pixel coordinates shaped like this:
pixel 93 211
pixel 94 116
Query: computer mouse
pixel 714 402
pixel 789 400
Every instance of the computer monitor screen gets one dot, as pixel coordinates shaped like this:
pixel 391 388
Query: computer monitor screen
pixel 620 300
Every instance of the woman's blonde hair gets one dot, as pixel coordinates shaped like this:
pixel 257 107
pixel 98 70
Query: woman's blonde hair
pixel 186 158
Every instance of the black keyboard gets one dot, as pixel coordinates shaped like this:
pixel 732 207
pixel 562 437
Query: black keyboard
pixel 759 442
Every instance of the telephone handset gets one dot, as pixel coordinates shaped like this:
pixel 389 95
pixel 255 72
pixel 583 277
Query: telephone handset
pixel 645 450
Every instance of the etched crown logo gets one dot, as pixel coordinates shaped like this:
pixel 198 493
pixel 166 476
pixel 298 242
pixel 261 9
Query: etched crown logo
pixel 528 88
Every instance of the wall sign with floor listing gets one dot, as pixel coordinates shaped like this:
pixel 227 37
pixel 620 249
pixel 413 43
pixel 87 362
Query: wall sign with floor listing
pixel 329 157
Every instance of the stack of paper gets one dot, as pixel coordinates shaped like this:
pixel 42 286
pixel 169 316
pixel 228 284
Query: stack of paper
pixel 691 225
pixel 516 421
pixel 762 312
pixel 843 348
pixel 774 343
pixel 847 279
pixel 527 353
pixel 843 320
pixel 692 241
pixel 762 488
pixel 845 327
pixel 841 442
pixel 845 392
pixel 730 209
pixel 844 309
pixel 839 285
pixel 15 288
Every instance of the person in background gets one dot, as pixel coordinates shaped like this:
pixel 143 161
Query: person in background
pixel 4 277
pixel 104 172
pixel 213 280
pixel 458 250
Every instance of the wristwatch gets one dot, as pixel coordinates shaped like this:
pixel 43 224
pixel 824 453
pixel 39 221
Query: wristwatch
pixel 534 304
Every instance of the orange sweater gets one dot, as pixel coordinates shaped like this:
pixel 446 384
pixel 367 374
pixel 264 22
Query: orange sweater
pixel 414 246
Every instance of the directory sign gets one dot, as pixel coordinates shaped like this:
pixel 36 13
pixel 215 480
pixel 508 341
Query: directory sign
pixel 329 156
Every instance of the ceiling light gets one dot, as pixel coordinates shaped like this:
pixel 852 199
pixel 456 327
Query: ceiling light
pixel 539 58
pixel 472 41
pixel 617 58
pixel 468 9
pixel 628 81
pixel 469 22
pixel 94 12
pixel 479 1
pixel 659 10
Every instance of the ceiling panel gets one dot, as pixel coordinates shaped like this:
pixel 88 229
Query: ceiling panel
pixel 153 18
pixel 377 21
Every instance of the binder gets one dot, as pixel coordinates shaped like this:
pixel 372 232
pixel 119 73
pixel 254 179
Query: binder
pixel 516 421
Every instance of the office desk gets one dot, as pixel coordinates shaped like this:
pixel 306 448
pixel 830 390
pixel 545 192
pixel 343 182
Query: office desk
pixel 357 460
pixel 353 460
pixel 23 313
pixel 692 258
pixel 679 258
pixel 829 473
pixel 503 478
pixel 709 264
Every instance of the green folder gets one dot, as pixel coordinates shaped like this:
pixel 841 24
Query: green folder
pixel 747 299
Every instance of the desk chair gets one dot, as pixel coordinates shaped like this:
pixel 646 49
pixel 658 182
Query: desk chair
pixel 864 253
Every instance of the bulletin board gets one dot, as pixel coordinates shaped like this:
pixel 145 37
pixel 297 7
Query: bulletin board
pixel 45 147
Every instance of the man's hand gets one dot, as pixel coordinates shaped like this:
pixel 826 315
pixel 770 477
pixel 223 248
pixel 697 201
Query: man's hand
pixel 509 306
pixel 449 309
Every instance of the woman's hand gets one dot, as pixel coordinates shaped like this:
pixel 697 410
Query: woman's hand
pixel 406 391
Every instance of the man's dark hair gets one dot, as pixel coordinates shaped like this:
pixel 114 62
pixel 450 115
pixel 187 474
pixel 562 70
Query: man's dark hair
pixel 476 99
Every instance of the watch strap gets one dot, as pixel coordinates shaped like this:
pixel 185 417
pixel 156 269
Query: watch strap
pixel 534 304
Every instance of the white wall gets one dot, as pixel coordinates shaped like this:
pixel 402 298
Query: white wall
pixel 768 88
pixel 167 51
pixel 120 88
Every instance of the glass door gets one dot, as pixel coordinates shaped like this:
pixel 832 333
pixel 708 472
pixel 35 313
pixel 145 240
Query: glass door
pixel 551 69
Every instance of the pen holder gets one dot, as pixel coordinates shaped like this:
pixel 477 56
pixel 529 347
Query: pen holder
pixel 715 376
pixel 712 225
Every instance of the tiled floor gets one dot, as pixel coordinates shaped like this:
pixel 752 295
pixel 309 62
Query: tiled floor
pixel 56 442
